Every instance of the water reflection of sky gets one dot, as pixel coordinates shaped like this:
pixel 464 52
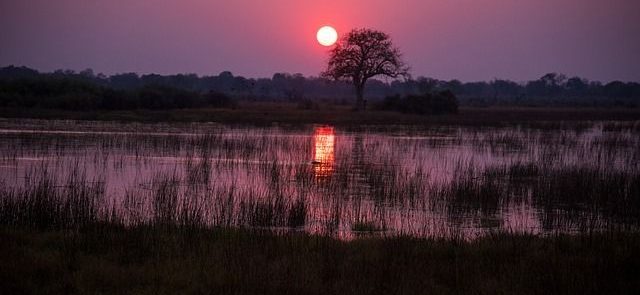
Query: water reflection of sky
pixel 344 165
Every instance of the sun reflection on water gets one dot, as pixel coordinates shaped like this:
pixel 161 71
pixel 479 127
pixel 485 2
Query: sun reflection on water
pixel 323 152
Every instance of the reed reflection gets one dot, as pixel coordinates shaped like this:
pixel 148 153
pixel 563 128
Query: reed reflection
pixel 323 151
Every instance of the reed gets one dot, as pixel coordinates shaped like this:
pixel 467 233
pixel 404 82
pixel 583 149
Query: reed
pixel 401 180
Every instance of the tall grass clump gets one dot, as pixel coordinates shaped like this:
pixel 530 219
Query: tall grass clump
pixel 45 204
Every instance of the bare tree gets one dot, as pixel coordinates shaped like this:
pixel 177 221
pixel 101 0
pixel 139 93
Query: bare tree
pixel 363 54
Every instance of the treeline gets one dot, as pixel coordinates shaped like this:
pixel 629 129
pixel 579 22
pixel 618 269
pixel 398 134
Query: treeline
pixel 24 87
pixel 549 90
pixel 71 91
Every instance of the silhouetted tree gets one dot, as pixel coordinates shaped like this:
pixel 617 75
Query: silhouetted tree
pixel 553 83
pixel 426 85
pixel 361 55
pixel 125 81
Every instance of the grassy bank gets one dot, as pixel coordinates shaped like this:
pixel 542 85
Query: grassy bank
pixel 157 260
pixel 57 242
pixel 285 113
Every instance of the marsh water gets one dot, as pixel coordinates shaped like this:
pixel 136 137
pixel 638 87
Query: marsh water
pixel 346 182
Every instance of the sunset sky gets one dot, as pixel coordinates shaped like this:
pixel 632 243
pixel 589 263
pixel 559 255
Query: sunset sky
pixel 446 39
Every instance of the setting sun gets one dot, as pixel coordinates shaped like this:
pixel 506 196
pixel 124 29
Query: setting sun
pixel 327 36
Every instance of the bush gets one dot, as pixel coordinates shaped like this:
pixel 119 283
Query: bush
pixel 160 97
pixel 443 102
pixel 52 92
pixel 219 100
pixel 47 92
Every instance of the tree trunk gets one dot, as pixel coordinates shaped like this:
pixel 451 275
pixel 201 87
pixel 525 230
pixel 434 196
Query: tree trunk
pixel 360 98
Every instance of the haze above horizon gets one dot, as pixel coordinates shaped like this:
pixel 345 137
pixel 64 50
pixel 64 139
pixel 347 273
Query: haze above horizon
pixel 463 39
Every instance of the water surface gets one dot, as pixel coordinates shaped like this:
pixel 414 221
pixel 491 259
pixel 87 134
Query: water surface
pixel 323 179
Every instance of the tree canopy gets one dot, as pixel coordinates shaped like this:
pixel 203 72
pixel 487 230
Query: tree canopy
pixel 363 54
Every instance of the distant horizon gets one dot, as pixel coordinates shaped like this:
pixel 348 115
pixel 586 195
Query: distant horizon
pixel 466 40
pixel 383 79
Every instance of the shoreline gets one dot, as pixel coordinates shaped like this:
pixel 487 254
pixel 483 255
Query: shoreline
pixel 269 114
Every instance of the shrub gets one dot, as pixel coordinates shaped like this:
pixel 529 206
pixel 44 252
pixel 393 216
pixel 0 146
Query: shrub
pixel 219 100
pixel 442 102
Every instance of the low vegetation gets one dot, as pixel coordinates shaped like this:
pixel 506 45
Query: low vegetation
pixel 533 217
pixel 64 93
pixel 286 113
pixel 108 259
pixel 443 102
pixel 63 243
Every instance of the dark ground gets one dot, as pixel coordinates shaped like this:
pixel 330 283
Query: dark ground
pixel 142 260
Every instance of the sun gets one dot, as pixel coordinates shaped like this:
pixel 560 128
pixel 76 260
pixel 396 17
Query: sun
pixel 327 36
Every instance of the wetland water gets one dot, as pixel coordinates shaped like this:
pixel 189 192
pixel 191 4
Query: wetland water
pixel 346 182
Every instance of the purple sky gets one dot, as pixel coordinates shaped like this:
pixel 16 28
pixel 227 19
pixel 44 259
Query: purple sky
pixel 446 39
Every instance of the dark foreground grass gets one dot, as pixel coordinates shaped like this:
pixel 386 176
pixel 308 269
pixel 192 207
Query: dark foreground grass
pixel 160 260
pixel 288 113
